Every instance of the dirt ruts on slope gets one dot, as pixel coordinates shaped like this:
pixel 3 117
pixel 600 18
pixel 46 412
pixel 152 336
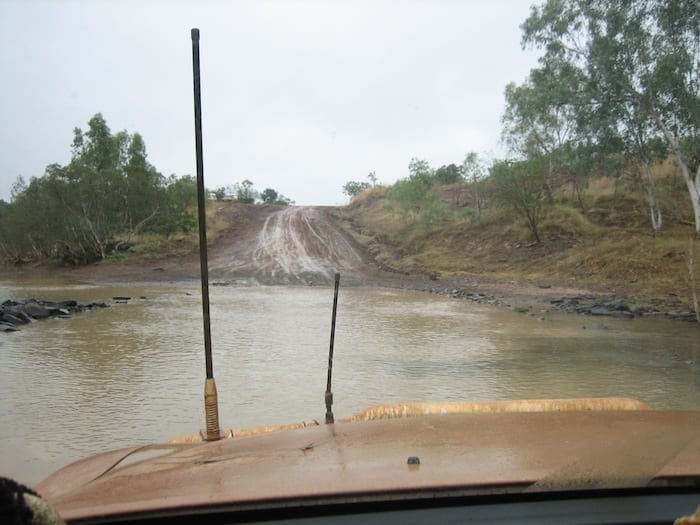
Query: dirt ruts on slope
pixel 266 244
pixel 307 245
pixel 288 245
pixel 260 244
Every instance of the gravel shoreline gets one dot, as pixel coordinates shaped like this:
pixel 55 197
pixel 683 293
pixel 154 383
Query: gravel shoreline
pixel 522 296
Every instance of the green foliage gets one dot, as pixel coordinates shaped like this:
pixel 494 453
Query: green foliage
pixel 539 117
pixel 179 203
pixel 219 193
pixel 415 197
pixel 473 171
pixel 522 186
pixel 245 193
pixel 75 213
pixel 450 174
pixel 420 171
pixel 353 188
pixel 268 196
pixel 620 74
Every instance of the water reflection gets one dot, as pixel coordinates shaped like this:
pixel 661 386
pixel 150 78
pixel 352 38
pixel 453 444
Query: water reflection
pixel 133 373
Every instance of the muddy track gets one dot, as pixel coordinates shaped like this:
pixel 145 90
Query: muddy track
pixel 290 245
pixel 267 244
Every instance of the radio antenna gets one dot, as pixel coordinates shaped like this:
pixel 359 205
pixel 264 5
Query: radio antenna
pixel 211 404
pixel 329 392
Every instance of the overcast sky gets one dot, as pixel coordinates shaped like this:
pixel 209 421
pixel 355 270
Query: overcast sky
pixel 300 96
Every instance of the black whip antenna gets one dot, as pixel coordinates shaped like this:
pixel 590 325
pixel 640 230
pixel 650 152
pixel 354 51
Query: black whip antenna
pixel 211 404
pixel 329 393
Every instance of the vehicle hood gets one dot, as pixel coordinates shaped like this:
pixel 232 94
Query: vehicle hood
pixel 473 453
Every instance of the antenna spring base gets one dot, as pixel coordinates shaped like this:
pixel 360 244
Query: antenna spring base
pixel 211 409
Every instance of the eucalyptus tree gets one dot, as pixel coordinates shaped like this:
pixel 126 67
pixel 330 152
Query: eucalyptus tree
pixel 640 65
pixel 245 192
pixel 521 184
pixel 352 188
pixel 108 191
pixel 540 114
pixel 415 196
pixel 540 119
pixel 269 196
pixel 474 172
pixel 449 174
pixel 100 196
pixel 640 143
pixel 145 194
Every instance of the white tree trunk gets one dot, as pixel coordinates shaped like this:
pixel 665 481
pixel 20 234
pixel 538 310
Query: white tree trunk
pixel 693 183
pixel 692 180
pixel 656 218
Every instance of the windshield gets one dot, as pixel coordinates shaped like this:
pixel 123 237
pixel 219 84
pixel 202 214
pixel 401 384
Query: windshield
pixel 508 192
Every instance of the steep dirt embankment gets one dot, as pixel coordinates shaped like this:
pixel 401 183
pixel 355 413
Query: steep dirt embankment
pixel 307 245
pixel 289 245
pixel 263 244
pixel 259 244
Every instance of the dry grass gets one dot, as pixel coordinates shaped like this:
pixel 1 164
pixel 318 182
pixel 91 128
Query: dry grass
pixel 177 245
pixel 564 220
pixel 152 246
pixel 601 187
pixel 610 247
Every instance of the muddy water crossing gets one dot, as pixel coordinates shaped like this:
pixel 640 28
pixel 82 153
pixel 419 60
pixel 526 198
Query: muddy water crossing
pixel 133 373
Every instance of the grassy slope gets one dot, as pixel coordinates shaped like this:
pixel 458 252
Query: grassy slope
pixel 221 217
pixel 609 247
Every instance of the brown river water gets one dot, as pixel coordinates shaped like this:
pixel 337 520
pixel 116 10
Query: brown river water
pixel 134 373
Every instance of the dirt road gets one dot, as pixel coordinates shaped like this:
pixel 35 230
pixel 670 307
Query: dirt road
pixel 267 244
pixel 290 245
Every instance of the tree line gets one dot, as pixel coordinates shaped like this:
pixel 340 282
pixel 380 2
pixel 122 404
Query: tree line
pixel 95 204
pixel 102 199
pixel 617 89
pixel 245 193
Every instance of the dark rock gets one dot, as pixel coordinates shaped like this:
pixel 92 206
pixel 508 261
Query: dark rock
pixel 233 282
pixel 617 304
pixel 14 313
pixel 8 318
pixel 68 304
pixel 600 310
pixel 118 246
pixel 683 316
pixel 17 311
pixel 7 327
pixel 59 312
pixel 96 304
pixel 36 310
